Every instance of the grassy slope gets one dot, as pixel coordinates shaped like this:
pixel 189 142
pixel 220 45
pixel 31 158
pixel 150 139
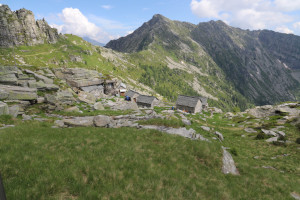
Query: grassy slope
pixel 38 162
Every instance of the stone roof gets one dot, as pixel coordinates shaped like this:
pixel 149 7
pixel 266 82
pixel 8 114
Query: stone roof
pixel 188 101
pixel 145 99
pixel 131 93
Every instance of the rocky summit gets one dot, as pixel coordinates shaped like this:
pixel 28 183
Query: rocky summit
pixel 20 28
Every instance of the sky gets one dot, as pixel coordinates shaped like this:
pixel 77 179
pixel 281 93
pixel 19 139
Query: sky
pixel 104 20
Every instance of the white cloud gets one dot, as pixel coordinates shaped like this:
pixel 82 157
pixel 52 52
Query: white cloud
pixel 107 7
pixel 129 32
pixel 0 4
pixel 76 23
pixel 287 5
pixel 249 14
pixel 296 25
pixel 284 29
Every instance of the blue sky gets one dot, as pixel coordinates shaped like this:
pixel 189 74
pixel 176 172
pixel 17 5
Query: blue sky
pixel 103 20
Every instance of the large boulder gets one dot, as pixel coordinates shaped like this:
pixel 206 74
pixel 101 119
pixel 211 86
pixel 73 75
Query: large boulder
pixel 79 122
pixel 102 121
pixel 3 108
pixel 228 164
pixel 19 93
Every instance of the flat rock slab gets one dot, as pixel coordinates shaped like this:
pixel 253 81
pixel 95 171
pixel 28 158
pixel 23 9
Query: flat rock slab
pixel 79 121
pixel 19 93
pixel 228 164
pixel 250 130
pixel 191 133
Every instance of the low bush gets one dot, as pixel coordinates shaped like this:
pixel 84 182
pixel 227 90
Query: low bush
pixel 260 136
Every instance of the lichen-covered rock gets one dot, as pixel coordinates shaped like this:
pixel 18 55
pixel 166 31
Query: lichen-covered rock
pixel 3 108
pixel 8 75
pixel 19 93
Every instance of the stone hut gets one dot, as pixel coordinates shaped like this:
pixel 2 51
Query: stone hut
pixel 204 102
pixel 146 101
pixel 189 104
pixel 132 95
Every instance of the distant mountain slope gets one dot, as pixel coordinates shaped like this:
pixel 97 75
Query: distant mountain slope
pixel 256 62
pixel 93 42
pixel 20 28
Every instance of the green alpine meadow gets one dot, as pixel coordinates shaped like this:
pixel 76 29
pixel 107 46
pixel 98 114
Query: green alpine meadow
pixel 99 102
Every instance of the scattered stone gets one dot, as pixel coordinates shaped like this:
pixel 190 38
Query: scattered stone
pixel 187 122
pixel 26 117
pixel 272 139
pixel 205 128
pixel 40 119
pixel 295 195
pixel 72 109
pixel 102 121
pixel 219 135
pixel 59 123
pixel 228 164
pixel 256 157
pixel 281 133
pixel 268 132
pixel 79 121
pixel 191 133
pixel 98 106
pixel 250 130
pixel 40 100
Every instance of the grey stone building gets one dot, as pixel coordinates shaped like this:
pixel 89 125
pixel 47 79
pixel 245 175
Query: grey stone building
pixel 146 101
pixel 189 104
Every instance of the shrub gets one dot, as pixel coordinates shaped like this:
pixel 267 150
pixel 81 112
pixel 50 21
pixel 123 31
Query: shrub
pixel 260 136
pixel 279 143
pixel 298 140
pixel 234 152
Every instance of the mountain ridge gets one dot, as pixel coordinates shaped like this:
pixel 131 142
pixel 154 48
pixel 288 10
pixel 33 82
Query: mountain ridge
pixel 253 63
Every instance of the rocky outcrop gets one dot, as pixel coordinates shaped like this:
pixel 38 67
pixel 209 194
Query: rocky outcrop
pixel 286 109
pixel 20 28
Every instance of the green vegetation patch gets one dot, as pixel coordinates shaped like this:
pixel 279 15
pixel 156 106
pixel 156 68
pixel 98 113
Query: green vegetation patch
pixel 38 162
